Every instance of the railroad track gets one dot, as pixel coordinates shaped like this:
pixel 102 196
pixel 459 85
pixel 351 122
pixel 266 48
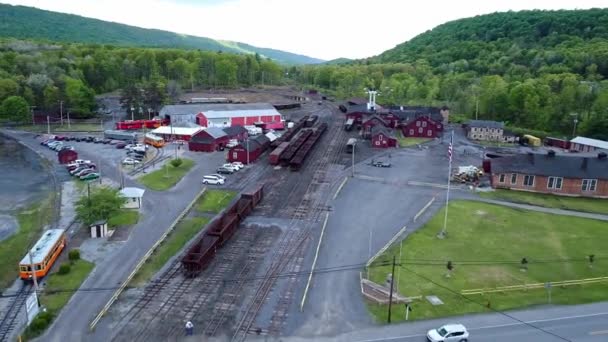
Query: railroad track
pixel 292 241
pixel 159 157
pixel 15 307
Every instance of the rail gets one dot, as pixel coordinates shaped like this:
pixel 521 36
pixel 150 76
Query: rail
pixel 534 286
pixel 143 260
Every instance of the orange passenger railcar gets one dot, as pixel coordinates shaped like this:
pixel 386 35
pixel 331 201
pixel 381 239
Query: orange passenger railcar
pixel 43 255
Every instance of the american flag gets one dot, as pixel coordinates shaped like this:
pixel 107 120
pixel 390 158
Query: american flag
pixel 450 146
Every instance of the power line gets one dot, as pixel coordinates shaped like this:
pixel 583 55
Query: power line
pixel 481 304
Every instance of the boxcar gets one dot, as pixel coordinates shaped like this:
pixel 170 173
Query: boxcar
pixel 120 135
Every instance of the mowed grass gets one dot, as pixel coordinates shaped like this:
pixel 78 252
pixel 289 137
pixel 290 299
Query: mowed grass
pixel 183 232
pixel 405 141
pixel 59 288
pixel 31 221
pixel 166 177
pixel 496 239
pixel 592 205
pixel 214 200
pixel 126 217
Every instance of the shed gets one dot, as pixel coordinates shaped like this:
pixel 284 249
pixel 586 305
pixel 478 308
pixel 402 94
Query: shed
pixel 67 156
pixel 99 229
pixel 133 196
pixel 209 140
pixel 382 137
pixel 249 150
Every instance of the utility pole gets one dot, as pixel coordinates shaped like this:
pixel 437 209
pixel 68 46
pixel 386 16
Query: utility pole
pixel 353 168
pixel 69 119
pixel 61 111
pixel 149 114
pixel 476 107
pixel 390 298
pixel 132 115
pixel 48 125
pixel 32 110
pixel 34 277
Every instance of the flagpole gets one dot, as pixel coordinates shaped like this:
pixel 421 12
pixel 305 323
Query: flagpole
pixel 443 232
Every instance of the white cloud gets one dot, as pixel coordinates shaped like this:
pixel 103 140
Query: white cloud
pixel 320 28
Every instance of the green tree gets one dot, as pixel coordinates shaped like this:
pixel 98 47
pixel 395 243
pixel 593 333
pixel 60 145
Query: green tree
pixel 80 97
pixel 51 97
pixel 103 203
pixel 226 72
pixel 8 87
pixel 15 109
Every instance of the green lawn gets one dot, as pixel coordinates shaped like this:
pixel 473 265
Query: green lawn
pixel 167 176
pixel 214 200
pixel 75 127
pixel 490 234
pixel 31 221
pixel 405 142
pixel 184 231
pixel 126 217
pixel 593 205
pixel 56 294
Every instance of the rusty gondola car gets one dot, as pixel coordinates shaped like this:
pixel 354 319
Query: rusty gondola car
pixel 296 162
pixel 219 231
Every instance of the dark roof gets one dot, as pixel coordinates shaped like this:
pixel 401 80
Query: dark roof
pixel 194 108
pixel 416 109
pixel 485 123
pixel 215 132
pixel 357 101
pixel 208 135
pixel 376 117
pixel 235 130
pixel 413 113
pixel 412 119
pixel 556 165
pixel 381 129
pixel 255 142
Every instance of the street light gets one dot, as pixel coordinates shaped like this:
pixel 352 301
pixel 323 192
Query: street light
pixel 132 115
pixel 575 115
pixel 149 115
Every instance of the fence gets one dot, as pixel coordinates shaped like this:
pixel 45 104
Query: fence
pixel 534 286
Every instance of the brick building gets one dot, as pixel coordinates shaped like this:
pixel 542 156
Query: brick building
pixel 551 173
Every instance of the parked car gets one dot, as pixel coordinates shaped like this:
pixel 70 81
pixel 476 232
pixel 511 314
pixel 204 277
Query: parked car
pixel 79 161
pixel 213 179
pixel 231 167
pixel 68 147
pixel 78 169
pixel 238 165
pixel 89 139
pixel 114 142
pixel 60 137
pixel 97 140
pixel 130 161
pixel 121 145
pixel 84 172
pixel 379 163
pixel 79 139
pixel 448 333
pixel 90 176
pixel 224 170
pixel 106 141
pixel 218 176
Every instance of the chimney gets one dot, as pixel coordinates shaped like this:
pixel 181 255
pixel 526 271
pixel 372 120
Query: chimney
pixel 551 154
pixel 602 156
pixel 584 166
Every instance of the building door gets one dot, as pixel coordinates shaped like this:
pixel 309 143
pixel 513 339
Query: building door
pixel 98 231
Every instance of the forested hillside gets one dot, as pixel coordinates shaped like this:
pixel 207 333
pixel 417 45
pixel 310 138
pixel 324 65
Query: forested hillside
pixel 532 69
pixel 42 75
pixel 32 23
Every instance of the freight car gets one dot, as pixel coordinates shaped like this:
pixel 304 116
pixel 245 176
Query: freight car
pixel 555 142
pixel 275 155
pixel 219 232
pixel 287 136
pixel 294 145
pixel 120 135
pixel 311 121
pixel 296 162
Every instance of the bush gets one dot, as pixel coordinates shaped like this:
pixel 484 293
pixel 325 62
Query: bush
pixel 176 162
pixel 39 324
pixel 74 255
pixel 64 268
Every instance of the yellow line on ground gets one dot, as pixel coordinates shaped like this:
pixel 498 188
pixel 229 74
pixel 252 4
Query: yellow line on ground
pixel 314 262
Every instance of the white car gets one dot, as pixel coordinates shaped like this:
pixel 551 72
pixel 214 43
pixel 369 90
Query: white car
pixel 212 179
pixel 238 165
pixel 218 176
pixel 448 333
pixel 230 167
pixel 130 161
pixel 78 162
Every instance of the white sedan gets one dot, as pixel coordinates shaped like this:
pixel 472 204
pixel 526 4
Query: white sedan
pixel 238 165
pixel 448 333
pixel 231 167
pixel 213 179
pixel 130 161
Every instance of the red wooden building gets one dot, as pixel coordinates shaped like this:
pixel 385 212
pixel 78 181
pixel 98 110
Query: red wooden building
pixel 374 120
pixel 252 147
pixel 236 132
pixel 209 140
pixel 382 137
pixel 67 156
pixel 422 127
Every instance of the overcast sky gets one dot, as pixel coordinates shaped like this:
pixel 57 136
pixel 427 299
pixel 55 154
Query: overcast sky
pixel 325 29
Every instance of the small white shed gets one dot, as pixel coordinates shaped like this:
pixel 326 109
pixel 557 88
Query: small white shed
pixel 133 196
pixel 99 229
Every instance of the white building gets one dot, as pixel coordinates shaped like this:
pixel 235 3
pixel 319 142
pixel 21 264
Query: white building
pixel 133 196
pixel 220 114
pixel 583 144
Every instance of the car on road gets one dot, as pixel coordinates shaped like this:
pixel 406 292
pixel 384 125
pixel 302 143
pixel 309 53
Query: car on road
pixel 379 163
pixel 448 333
pixel 224 170
pixel 130 161
pixel 90 176
pixel 213 179
pixel 238 165
pixel 231 167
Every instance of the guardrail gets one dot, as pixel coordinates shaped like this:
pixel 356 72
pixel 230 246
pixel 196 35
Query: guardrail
pixel 144 259
pixel 534 286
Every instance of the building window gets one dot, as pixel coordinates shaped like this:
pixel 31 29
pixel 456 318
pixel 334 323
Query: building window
pixel 429 132
pixel 417 123
pixel 411 132
pixel 420 130
pixel 555 183
pixel 377 143
pixel 423 123
pixel 234 155
pixel 501 178
pixel 528 180
pixel 514 178
pixel 589 184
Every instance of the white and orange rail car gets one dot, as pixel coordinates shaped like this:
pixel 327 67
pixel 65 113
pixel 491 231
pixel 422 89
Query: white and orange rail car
pixel 43 254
